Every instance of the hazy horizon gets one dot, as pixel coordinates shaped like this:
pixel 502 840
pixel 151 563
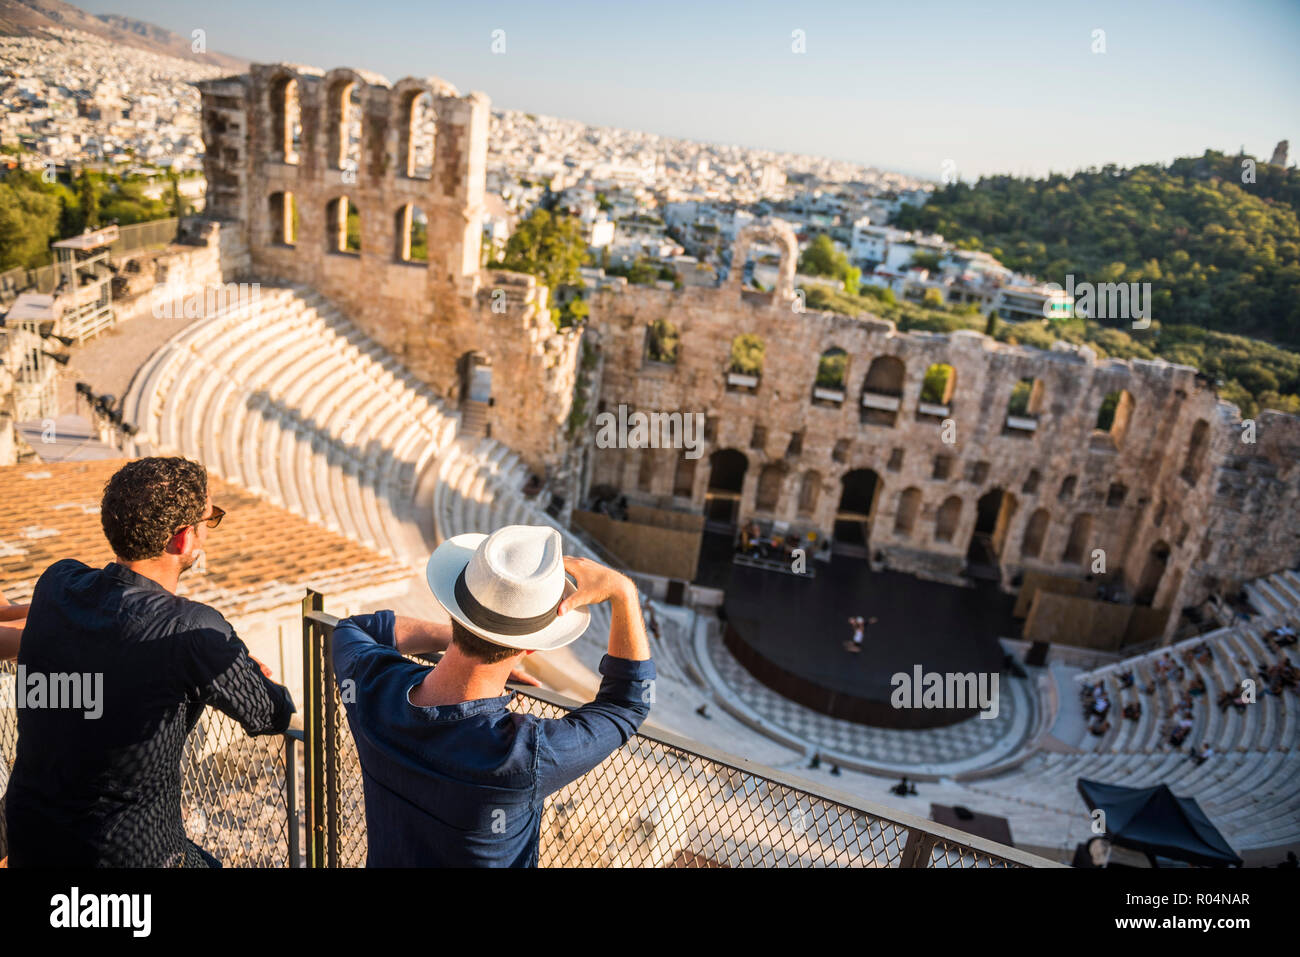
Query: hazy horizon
pixel 1013 91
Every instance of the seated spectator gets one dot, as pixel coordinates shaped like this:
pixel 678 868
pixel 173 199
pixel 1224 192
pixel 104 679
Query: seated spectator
pixel 904 788
pixel 106 792
pixel 1099 727
pixel 1225 699
pixel 1101 706
pixel 1133 711
pixel 1197 687
pixel 1202 754
pixel 1126 678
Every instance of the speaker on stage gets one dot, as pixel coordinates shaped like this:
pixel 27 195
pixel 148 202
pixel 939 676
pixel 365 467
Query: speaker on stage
pixel 676 592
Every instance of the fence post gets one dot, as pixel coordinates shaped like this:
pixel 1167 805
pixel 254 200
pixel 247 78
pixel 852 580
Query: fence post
pixel 316 799
pixel 916 852
pixel 330 734
pixel 291 796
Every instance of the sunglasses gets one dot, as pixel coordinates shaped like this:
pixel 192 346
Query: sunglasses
pixel 212 521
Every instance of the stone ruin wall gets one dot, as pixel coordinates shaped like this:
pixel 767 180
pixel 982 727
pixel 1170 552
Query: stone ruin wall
pixel 429 315
pixel 1232 517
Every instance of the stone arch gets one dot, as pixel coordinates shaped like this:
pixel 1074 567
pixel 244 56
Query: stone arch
pixel 946 519
pixel 747 354
pixel 282 211
pixel 285 108
pixel 684 476
pixel 343 119
pixel 410 234
pixel 662 342
pixel 1076 549
pixel 415 106
pixel 1153 572
pixel 342 226
pixel 1024 405
pixel 810 488
pixel 859 493
pixel 646 470
pixel 909 507
pixel 993 514
pixel 727 469
pixel 882 390
pixel 1113 417
pixel 1031 546
pixel 767 230
pixel 832 370
pixel 1196 448
pixel 937 387
pixel 770 481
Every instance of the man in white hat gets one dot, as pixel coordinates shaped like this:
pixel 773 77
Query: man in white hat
pixel 452 777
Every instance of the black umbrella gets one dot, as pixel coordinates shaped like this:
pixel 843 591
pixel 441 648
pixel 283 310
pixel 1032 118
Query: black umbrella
pixel 1156 822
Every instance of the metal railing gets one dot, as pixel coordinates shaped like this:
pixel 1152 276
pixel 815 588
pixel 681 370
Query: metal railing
pixel 45 279
pixel 660 801
pixel 237 802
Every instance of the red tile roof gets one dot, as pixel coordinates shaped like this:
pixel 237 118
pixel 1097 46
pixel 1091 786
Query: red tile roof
pixel 260 557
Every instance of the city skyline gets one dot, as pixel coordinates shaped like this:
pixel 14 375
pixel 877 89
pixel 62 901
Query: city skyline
pixel 947 99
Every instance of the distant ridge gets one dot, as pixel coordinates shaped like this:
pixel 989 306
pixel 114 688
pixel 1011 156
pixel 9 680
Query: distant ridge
pixel 34 18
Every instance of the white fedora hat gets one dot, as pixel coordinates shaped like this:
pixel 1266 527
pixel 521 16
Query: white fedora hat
pixel 505 587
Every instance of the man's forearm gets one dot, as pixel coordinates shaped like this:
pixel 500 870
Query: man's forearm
pixel 11 636
pixel 415 636
pixel 627 629
pixel 11 612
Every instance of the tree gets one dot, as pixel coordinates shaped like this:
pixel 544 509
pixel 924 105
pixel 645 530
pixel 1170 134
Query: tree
pixel 88 195
pixel 29 221
pixel 550 247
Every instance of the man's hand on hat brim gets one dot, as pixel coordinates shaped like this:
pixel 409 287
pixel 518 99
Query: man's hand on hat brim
pixel 595 583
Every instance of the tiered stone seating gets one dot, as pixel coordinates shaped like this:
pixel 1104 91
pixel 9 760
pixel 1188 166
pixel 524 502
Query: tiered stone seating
pixel 289 399
pixel 1249 787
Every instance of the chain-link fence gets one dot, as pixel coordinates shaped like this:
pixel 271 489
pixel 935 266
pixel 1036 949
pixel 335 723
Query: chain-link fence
pixel 236 801
pixel 659 801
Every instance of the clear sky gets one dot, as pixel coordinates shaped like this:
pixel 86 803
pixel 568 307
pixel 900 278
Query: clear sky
pixel 992 87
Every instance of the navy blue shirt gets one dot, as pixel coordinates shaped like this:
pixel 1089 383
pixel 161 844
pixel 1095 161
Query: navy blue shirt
pixel 101 787
pixel 464 785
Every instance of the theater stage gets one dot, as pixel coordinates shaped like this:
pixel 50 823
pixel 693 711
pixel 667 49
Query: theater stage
pixel 789 632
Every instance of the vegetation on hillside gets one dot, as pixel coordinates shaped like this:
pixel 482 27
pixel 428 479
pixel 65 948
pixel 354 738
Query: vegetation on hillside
pixel 1221 253
pixel 35 213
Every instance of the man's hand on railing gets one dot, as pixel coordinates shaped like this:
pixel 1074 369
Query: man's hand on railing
pixel 519 676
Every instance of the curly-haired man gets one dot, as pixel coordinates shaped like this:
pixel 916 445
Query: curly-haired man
pixel 102 787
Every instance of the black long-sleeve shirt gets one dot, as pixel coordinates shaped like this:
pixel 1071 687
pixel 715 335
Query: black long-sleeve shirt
pixel 104 790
